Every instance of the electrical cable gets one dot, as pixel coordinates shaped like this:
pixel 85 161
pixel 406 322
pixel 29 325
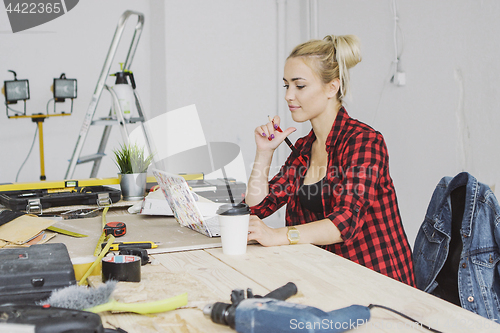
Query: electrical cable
pixel 47 107
pixel 34 138
pixel 398 51
pixel 29 153
pixel 114 329
pixel 402 40
pixel 371 306
pixel 11 109
pixel 386 81
pixel 396 19
pixel 394 67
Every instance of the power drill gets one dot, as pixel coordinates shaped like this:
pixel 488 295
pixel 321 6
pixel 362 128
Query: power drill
pixel 270 313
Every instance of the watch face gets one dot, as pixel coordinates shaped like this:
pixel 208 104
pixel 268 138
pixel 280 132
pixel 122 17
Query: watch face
pixel 293 236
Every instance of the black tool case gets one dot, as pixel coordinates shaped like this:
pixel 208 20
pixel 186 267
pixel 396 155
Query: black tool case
pixel 30 274
pixel 90 195
pixel 49 319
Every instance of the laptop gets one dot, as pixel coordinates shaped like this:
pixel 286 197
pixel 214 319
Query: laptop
pixel 184 206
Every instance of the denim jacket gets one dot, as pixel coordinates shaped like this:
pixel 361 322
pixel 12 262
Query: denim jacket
pixel 479 268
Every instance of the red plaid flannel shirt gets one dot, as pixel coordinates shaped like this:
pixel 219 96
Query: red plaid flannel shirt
pixel 358 197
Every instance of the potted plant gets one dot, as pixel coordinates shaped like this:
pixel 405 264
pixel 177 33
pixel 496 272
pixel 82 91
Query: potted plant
pixel 133 165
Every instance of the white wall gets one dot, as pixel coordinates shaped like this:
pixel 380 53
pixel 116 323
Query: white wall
pixel 222 55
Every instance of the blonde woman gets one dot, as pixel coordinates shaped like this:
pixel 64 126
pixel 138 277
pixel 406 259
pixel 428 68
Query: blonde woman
pixel 336 183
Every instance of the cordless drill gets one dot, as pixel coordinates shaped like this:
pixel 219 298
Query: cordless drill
pixel 270 313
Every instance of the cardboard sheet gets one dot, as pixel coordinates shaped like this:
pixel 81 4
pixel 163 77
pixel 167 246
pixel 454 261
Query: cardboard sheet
pixel 23 228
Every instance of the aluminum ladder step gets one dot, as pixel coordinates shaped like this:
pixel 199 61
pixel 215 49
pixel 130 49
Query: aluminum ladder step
pixel 90 158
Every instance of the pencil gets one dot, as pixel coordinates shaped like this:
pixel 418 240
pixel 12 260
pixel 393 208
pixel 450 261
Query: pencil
pixel 288 142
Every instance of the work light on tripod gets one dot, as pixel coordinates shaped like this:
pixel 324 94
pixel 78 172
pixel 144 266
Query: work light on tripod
pixel 64 88
pixel 16 90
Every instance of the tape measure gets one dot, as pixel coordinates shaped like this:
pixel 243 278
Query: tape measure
pixel 116 229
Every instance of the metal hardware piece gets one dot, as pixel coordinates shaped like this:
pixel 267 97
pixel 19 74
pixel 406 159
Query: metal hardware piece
pixel 34 206
pixel 103 200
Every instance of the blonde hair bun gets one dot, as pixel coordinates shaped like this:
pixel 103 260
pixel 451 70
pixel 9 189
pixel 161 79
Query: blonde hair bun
pixel 347 49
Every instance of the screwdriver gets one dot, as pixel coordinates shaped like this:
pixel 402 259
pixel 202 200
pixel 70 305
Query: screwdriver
pixel 131 245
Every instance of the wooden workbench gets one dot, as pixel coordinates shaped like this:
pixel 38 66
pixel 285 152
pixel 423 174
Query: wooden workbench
pixel 324 280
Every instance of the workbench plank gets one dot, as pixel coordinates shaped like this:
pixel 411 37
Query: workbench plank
pixel 326 281
pixel 210 271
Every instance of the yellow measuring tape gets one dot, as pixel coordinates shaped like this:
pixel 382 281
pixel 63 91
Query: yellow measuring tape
pixel 65 232
pixel 103 235
pixel 100 253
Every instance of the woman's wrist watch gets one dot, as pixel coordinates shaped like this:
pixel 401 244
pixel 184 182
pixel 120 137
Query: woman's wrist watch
pixel 293 235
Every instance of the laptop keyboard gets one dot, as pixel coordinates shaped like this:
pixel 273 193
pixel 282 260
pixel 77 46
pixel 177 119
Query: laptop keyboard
pixel 212 224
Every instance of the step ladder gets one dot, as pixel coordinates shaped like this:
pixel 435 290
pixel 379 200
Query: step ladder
pixel 115 115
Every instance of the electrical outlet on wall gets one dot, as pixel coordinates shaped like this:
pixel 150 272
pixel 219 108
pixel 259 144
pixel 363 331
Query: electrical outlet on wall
pixel 399 79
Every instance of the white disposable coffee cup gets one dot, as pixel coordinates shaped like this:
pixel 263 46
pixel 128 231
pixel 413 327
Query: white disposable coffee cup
pixel 233 220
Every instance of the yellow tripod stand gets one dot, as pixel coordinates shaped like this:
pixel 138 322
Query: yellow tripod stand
pixel 39 119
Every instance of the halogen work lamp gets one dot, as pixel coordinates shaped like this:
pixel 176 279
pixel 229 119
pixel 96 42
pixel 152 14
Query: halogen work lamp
pixel 16 90
pixel 64 88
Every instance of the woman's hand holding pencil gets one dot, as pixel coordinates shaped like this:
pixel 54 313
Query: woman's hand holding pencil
pixel 270 136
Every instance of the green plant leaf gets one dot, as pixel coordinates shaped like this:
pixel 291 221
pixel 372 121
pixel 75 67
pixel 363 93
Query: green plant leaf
pixel 132 159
